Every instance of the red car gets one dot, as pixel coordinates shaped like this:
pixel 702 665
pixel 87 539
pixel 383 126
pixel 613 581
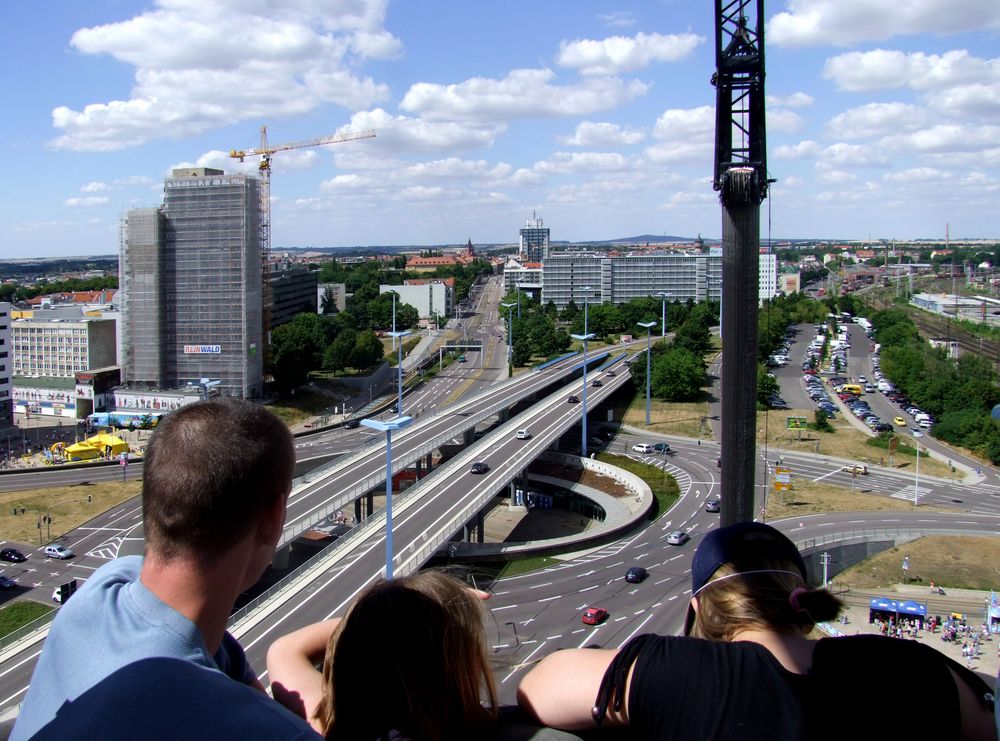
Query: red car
pixel 594 615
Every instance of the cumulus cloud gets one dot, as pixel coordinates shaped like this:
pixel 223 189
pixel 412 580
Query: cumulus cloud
pixel 95 187
pixel 680 123
pixel 88 202
pixel 617 54
pixel 590 134
pixel 582 162
pixel 200 65
pixel 794 100
pixel 405 134
pixel 836 22
pixel 945 138
pixel 852 155
pixel 882 69
pixel 916 174
pixel 784 121
pixel 876 120
pixel 802 150
pixel 454 168
pixel 523 93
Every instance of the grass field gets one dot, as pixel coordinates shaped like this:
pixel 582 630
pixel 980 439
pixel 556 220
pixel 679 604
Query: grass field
pixel 809 498
pixel 955 562
pixel 67 505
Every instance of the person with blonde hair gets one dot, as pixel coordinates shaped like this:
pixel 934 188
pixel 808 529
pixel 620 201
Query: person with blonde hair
pixel 747 668
pixel 407 661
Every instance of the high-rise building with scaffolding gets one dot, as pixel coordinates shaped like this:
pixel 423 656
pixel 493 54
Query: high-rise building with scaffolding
pixel 534 245
pixel 190 279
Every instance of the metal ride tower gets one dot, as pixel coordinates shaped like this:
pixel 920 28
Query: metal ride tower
pixel 741 179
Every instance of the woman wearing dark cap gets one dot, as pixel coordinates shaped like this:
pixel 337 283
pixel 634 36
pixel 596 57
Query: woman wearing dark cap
pixel 746 669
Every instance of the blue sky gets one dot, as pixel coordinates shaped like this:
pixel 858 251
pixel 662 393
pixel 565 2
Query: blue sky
pixel 883 121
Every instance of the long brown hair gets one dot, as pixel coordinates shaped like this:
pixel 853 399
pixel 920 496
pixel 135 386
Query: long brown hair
pixel 410 656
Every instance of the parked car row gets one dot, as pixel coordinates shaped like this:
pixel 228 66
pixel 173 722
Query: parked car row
pixel 819 395
pixel 922 419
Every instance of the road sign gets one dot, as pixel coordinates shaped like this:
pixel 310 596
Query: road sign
pixel 796 423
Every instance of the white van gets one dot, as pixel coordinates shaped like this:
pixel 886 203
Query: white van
pixel 922 417
pixel 642 448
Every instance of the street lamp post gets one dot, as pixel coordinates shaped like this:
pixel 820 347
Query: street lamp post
pixel 388 427
pixel 393 319
pixel 586 296
pixel 399 369
pixel 510 335
pixel 583 442
pixel 649 352
pixel 518 286
pixel 916 481
pixel 663 319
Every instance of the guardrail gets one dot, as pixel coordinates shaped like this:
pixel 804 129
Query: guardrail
pixel 500 403
pixel 25 631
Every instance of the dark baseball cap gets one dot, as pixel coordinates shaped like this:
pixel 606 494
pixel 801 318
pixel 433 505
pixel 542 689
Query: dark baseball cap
pixel 746 545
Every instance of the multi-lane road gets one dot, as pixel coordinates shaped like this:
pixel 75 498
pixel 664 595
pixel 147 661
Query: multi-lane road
pixel 534 613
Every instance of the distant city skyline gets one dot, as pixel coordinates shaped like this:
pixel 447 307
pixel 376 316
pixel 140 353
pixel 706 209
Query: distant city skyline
pixel 597 116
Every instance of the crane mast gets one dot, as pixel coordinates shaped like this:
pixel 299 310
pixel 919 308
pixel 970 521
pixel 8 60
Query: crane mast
pixel 740 177
pixel 264 151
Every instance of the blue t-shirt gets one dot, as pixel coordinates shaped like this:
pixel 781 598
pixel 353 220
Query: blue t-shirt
pixel 111 622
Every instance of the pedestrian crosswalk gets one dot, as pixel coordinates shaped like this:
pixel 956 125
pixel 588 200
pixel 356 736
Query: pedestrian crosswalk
pixel 907 493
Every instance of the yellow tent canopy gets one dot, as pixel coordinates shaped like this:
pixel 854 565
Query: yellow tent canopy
pixel 94 446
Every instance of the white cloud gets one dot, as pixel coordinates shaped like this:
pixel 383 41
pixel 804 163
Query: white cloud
pixel 94 187
pixel 802 150
pixel 523 93
pixel 617 54
pixel 845 22
pixel 88 202
pixel 453 168
pixel 404 134
pixel 833 177
pixel 784 121
pixel 201 65
pixel 916 174
pixel 617 19
pixel 590 134
pixel 794 100
pixel 877 119
pixel 946 138
pixel 852 155
pixel 679 123
pixel 582 162
pixel 882 69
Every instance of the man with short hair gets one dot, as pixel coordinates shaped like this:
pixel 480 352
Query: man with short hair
pixel 216 479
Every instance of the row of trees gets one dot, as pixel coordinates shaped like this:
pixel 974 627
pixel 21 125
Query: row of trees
pixel 960 394
pixel 313 342
pixel 14 292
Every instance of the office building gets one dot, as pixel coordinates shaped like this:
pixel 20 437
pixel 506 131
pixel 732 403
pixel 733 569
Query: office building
pixel 337 293
pixel 7 427
pixel 621 278
pixel 54 345
pixel 293 291
pixel 429 297
pixel 534 241
pixel 190 286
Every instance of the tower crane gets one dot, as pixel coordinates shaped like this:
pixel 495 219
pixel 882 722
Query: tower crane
pixel 264 151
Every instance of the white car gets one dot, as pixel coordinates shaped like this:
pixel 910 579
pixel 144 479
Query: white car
pixel 58 551
pixel 642 448
pixel 522 434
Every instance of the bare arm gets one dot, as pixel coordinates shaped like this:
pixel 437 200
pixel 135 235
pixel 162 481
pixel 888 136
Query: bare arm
pixel 561 690
pixel 291 663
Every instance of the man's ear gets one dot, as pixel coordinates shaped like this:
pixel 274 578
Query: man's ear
pixel 272 522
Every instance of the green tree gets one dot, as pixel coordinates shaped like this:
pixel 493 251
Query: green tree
pixel 328 302
pixel 521 352
pixel 337 356
pixel 767 385
pixel 367 352
pixel 678 375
